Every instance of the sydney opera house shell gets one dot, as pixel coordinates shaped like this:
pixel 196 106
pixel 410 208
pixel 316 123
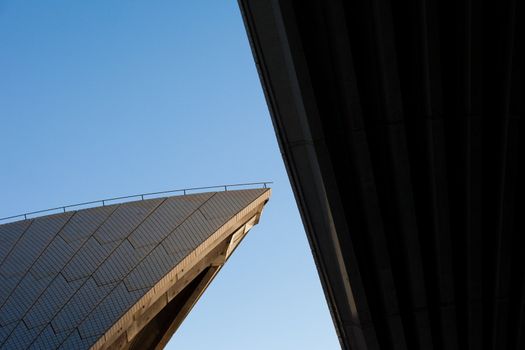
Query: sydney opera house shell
pixel 121 276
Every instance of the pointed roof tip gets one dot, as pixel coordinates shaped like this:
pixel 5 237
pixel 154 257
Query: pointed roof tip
pixel 110 262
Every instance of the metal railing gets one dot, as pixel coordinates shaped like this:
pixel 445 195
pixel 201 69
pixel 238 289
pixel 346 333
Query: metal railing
pixel 141 196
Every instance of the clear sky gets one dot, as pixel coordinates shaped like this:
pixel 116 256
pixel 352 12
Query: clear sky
pixel 108 98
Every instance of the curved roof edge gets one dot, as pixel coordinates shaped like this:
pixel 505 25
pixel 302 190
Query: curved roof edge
pixel 206 259
pixel 122 276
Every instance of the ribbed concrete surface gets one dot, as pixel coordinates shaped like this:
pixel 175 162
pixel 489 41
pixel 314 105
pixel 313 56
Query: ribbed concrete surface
pixel 401 126
pixel 67 278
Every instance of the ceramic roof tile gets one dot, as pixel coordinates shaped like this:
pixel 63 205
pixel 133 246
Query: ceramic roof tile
pixel 67 278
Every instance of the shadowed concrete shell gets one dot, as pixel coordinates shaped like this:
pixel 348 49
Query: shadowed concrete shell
pixel 122 276
pixel 401 127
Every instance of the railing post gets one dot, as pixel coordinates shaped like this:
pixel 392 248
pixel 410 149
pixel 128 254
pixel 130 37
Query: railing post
pixel 142 196
pixel 184 192
pixel 64 209
pixel 25 216
pixel 103 203
pixel 226 188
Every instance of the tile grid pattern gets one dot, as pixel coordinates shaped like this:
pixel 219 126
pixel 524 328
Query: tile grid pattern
pixel 68 277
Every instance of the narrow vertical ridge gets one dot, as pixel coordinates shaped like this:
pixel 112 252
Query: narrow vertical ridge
pixel 473 175
pixel 509 161
pixel 437 172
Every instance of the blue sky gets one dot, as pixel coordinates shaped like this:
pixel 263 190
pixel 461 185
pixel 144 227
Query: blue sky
pixel 109 98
